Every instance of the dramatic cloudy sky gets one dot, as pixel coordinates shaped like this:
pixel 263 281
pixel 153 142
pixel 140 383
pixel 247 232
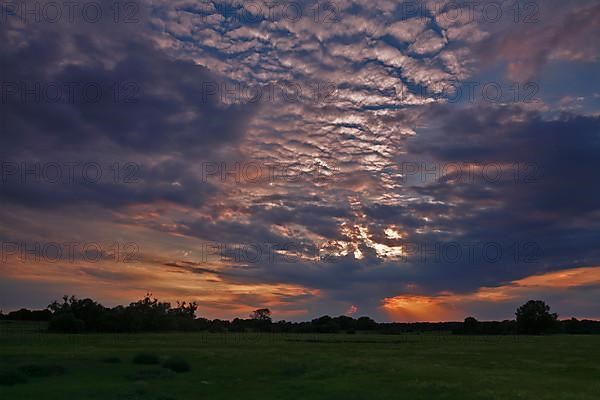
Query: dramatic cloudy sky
pixel 419 160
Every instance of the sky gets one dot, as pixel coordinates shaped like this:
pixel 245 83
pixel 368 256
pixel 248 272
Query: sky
pixel 409 161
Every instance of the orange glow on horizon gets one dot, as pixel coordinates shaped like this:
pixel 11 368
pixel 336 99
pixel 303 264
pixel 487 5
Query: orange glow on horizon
pixel 412 308
pixel 452 306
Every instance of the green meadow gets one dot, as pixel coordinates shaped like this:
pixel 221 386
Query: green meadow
pixel 38 365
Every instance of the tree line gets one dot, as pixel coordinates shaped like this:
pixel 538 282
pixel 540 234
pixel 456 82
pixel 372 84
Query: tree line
pixel 73 315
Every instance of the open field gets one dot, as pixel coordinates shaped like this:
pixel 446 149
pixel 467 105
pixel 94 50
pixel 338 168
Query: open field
pixel 280 366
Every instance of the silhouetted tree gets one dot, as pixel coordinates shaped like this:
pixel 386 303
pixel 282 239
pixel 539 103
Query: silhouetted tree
pixel 184 315
pixel 218 326
pixel 261 319
pixel 471 325
pixel 87 310
pixel 238 325
pixel 29 315
pixel 151 314
pixel 263 314
pixel 534 318
pixel 147 314
pixel 572 326
pixel 325 324
pixel 346 323
pixel 66 322
pixel 366 324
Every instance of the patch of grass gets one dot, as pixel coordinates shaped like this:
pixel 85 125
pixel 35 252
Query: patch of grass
pixel 256 366
pixel 152 374
pixel 11 378
pixel 42 370
pixel 293 369
pixel 146 358
pixel 177 364
pixel 350 341
pixel 111 360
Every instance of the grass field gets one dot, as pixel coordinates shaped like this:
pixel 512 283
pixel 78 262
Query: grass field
pixel 278 366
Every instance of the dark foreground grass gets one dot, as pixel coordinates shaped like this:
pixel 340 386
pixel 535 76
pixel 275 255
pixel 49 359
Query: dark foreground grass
pixel 265 366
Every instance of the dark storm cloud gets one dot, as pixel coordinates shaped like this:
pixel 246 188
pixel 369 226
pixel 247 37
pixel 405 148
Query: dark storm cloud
pixel 104 93
pixel 555 156
pixel 320 219
pixel 97 184
pixel 393 214
pixel 551 210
